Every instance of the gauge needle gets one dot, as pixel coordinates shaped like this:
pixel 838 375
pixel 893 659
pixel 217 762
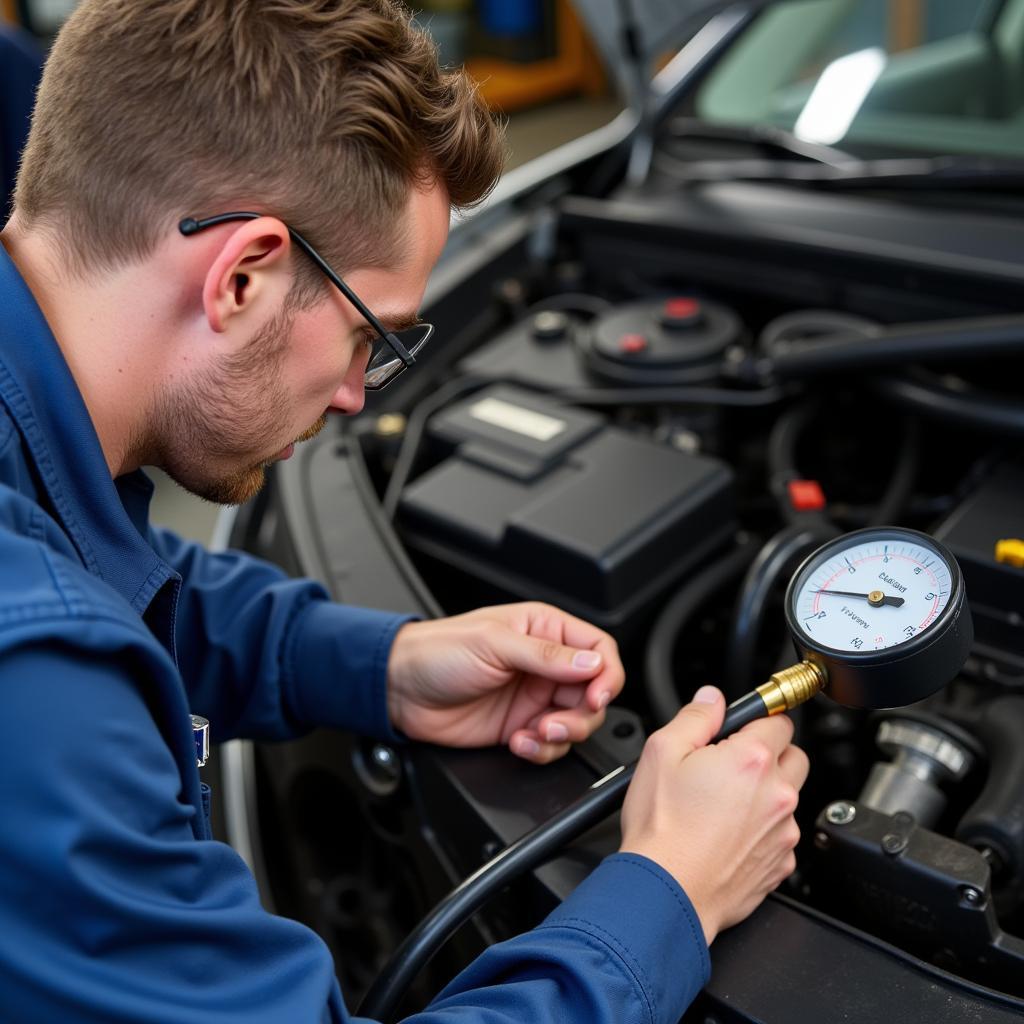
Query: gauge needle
pixel 875 598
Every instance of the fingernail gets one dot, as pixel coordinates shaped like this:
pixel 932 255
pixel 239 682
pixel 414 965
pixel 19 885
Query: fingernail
pixel 603 698
pixel 706 695
pixel 586 659
pixel 557 733
pixel 526 747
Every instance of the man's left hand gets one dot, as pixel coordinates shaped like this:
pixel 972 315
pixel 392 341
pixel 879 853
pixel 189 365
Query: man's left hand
pixel 526 674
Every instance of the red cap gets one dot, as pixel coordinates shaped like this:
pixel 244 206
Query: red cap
pixel 681 309
pixel 806 495
pixel 631 343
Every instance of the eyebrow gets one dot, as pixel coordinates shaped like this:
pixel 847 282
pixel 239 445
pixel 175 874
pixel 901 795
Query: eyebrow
pixel 399 321
pixel 392 323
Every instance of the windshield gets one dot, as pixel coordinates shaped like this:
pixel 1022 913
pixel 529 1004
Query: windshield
pixel 879 76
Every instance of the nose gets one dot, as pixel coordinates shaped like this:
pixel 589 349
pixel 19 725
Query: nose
pixel 350 397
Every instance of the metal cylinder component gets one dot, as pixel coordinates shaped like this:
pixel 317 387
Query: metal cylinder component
pixel 923 760
pixel 550 325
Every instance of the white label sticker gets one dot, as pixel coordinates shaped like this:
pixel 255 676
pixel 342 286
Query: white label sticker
pixel 517 419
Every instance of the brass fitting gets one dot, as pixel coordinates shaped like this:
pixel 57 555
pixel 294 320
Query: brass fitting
pixel 792 686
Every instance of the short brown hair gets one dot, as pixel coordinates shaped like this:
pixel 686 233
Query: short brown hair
pixel 321 112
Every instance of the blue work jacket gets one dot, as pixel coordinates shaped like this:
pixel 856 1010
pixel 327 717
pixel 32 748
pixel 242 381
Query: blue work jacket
pixel 114 906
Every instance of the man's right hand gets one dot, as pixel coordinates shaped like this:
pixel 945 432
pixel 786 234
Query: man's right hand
pixel 718 818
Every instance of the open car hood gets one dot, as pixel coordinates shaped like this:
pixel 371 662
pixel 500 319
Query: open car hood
pixel 631 34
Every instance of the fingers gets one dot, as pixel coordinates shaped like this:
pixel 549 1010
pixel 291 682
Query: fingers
pixel 550 623
pixel 528 745
pixel 549 735
pixel 574 726
pixel 794 766
pixel 545 658
pixel 697 723
pixel 783 840
pixel 775 732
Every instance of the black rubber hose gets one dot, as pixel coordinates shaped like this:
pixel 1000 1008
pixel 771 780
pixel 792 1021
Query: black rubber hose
pixel 901 483
pixel 414 429
pixel 571 302
pixel 525 854
pixel 679 395
pixel 777 559
pixel 963 406
pixel 781 454
pixel 996 819
pixel 941 341
pixel 659 675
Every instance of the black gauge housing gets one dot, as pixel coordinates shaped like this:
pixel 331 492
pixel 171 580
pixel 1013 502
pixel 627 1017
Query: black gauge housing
pixel 894 676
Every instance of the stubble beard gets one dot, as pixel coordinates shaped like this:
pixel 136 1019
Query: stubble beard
pixel 225 415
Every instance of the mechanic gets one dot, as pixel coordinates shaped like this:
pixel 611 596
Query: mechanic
pixel 126 342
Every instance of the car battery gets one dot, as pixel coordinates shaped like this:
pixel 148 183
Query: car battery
pixel 545 501
pixel 986 534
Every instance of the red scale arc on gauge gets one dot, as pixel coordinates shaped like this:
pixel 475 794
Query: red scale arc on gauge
pixel 870 558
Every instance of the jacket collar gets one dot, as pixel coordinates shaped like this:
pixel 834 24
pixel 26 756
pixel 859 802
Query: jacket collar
pixel 106 520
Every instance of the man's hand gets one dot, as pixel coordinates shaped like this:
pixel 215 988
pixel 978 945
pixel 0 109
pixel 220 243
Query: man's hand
pixel 526 674
pixel 719 819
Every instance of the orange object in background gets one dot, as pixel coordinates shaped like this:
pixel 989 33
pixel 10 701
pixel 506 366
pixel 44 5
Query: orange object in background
pixel 576 68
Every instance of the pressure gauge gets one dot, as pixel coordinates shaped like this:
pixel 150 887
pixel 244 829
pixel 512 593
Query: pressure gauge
pixel 882 611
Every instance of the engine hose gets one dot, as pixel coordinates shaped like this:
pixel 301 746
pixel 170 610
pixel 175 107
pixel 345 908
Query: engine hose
pixel 963 406
pixel 659 678
pixel 941 341
pixel 781 454
pixel 901 483
pixel 996 819
pixel 678 395
pixel 414 435
pixel 525 854
pixel 775 560
pixel 782 465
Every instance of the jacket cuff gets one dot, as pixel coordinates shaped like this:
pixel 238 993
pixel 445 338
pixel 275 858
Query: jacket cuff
pixel 337 668
pixel 639 911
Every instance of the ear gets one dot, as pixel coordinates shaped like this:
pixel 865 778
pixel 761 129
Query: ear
pixel 250 271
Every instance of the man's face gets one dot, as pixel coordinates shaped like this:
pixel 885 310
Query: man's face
pixel 219 430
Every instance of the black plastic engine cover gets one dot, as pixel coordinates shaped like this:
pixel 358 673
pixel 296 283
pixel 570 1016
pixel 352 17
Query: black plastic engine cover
pixel 547 501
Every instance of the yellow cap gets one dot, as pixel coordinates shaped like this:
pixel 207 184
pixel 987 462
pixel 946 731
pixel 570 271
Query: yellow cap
pixel 1010 552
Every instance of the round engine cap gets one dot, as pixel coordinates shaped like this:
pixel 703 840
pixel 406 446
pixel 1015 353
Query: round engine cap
pixel 681 313
pixel 661 336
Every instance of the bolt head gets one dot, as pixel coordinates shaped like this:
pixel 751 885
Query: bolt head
pixel 971 896
pixel 893 843
pixel 842 812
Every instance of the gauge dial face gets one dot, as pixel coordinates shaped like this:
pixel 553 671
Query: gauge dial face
pixel 878 590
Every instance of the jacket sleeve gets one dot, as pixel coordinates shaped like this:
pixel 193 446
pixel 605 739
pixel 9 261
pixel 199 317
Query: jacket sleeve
pixel 267 657
pixel 121 915
pixel 626 947
pixel 113 911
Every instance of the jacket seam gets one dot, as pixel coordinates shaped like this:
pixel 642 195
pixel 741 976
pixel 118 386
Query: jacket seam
pixel 70 616
pixel 621 954
pixel 699 941
pixel 16 401
pixel 286 657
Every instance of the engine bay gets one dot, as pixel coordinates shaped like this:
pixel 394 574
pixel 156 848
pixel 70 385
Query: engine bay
pixel 649 410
